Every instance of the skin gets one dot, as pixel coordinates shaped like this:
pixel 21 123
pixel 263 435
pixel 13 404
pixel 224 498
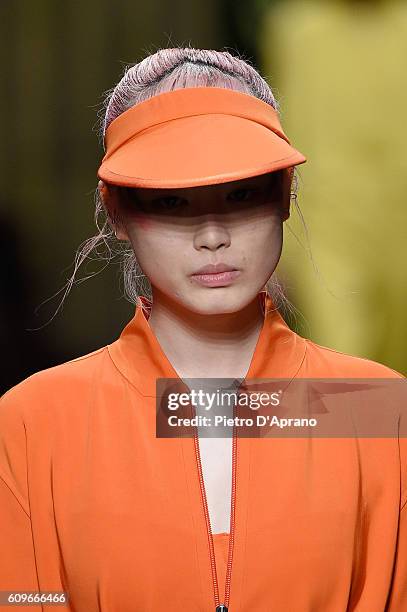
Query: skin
pixel 205 331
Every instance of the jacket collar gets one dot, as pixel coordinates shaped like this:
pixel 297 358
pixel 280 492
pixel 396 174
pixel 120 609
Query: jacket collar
pixel 137 354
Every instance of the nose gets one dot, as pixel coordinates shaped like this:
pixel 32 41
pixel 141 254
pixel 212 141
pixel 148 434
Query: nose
pixel 212 234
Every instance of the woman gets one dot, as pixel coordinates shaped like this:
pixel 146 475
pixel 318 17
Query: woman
pixel 196 178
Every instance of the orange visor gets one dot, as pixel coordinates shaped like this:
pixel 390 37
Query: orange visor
pixel 195 136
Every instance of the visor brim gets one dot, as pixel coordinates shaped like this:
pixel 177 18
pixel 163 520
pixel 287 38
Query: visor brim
pixel 198 150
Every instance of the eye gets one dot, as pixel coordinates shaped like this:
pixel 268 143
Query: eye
pixel 243 194
pixel 168 203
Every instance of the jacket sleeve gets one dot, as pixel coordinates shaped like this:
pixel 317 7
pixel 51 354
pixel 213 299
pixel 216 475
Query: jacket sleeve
pixel 397 601
pixel 18 570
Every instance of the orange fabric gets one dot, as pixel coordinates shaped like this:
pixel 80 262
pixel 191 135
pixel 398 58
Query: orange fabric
pixel 226 135
pixel 92 503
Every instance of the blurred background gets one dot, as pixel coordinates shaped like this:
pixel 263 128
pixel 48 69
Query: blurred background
pixel 338 71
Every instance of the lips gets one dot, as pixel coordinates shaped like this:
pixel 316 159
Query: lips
pixel 214 269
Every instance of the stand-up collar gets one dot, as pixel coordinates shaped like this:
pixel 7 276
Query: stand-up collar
pixel 138 355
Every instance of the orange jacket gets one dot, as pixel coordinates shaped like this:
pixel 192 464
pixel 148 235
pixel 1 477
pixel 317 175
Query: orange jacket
pixel 94 504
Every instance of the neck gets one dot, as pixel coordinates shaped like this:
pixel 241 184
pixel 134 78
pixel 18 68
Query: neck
pixel 206 346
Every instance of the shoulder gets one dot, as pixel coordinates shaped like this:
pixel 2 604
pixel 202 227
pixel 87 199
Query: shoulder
pixel 325 361
pixel 322 361
pixel 57 383
pixel 30 409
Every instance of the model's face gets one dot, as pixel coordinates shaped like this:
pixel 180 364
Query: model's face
pixel 175 232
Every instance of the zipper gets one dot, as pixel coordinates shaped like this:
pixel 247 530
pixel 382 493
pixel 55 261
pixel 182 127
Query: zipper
pixel 219 607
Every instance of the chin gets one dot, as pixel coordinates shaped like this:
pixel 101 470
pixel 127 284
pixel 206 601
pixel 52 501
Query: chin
pixel 218 300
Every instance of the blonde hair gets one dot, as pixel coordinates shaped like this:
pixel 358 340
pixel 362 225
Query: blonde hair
pixel 163 71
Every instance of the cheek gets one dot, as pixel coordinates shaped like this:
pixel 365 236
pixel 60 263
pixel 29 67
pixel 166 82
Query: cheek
pixel 274 242
pixel 260 238
pixel 144 234
pixel 140 221
pixel 265 251
pixel 155 246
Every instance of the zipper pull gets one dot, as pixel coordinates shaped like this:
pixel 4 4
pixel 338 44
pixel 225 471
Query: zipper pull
pixel 221 608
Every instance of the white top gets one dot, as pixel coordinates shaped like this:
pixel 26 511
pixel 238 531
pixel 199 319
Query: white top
pixel 216 455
